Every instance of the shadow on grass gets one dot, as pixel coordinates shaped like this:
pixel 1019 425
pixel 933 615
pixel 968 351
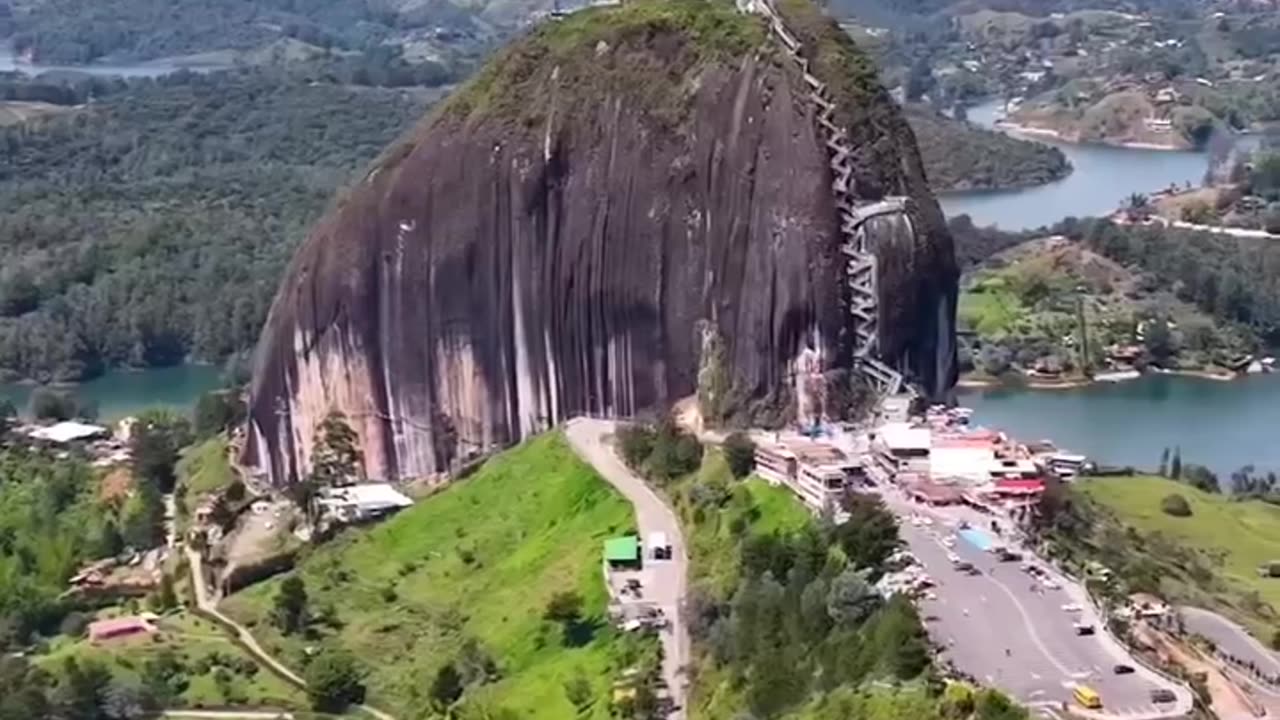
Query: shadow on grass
pixel 581 631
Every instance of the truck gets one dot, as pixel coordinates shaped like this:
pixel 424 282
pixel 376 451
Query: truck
pixel 659 546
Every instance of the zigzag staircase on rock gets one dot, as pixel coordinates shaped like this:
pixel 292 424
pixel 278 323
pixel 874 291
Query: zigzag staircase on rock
pixel 860 270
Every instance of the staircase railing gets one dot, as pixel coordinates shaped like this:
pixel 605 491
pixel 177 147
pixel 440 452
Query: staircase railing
pixel 861 271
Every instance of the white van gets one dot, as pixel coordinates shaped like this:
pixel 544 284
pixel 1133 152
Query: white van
pixel 659 546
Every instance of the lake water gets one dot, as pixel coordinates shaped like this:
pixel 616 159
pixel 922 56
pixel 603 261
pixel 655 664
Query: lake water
pixel 1222 425
pixel 1103 177
pixel 152 68
pixel 120 393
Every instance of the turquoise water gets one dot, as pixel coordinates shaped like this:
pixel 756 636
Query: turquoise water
pixel 1103 177
pixel 1222 425
pixel 977 538
pixel 120 393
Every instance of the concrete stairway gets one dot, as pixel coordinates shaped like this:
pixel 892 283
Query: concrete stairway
pixel 860 270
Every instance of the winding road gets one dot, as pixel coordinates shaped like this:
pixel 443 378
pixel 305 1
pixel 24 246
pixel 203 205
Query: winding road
pixel 666 579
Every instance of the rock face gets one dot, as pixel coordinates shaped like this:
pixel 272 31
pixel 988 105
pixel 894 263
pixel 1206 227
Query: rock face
pixel 566 232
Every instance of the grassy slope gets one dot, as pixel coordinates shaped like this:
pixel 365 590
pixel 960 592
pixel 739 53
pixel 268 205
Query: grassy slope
pixel 190 638
pixel 204 468
pixel 532 520
pixel 1236 537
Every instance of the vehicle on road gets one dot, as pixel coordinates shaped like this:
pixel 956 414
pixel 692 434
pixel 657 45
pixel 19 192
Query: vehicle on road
pixel 1123 669
pixel 1007 555
pixel 1083 628
pixel 1163 695
pixel 659 546
pixel 1050 583
pixel 1072 608
pixel 964 566
pixel 973 570
pixel 1087 697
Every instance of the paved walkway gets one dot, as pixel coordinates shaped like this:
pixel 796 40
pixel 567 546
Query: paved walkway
pixel 666 578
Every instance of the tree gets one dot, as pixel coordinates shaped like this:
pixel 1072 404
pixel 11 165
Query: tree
pixel 446 688
pixel 851 599
pixel 154 448
pixel 216 411
pixel 635 443
pixel 290 605
pixel 740 454
pixel 142 517
pixel 165 598
pixel 1158 340
pixel 870 535
pixel 333 681
pixel 49 404
pixel 1275 640
pixel 1175 465
pixel 1201 478
pixel 8 414
pixel 1175 505
pixel 335 456
pixel 1164 463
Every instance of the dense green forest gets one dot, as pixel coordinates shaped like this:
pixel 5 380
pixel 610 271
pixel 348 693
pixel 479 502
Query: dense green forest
pixel 70 31
pixel 958 156
pixel 152 224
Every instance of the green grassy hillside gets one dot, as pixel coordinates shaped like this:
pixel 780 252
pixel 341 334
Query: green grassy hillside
pixel 1209 558
pixel 203 667
pixel 475 563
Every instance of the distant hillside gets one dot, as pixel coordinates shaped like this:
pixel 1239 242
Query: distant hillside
pixel 71 31
pixel 961 156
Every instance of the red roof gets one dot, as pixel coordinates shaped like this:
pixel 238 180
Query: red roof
pixel 105 629
pixel 1020 486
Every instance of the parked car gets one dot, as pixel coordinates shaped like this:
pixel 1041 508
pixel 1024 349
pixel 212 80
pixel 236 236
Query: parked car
pixel 1072 608
pixel 1123 669
pixel 1083 629
pixel 1163 695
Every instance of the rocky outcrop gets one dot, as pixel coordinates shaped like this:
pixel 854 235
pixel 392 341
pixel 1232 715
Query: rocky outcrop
pixel 566 232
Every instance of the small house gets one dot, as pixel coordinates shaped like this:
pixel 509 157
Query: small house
pixel 103 630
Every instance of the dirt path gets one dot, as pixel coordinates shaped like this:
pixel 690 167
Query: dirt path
pixel 209 606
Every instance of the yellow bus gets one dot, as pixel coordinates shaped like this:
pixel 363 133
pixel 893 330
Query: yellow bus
pixel 1087 697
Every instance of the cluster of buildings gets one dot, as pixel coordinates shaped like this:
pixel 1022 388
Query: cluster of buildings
pixel 105 446
pixel 941 460
pixel 937 458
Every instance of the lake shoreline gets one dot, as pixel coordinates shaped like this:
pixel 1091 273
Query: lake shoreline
pixel 1031 132
pixel 983 382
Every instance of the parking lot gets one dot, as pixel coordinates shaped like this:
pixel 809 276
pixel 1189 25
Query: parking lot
pixel 1014 630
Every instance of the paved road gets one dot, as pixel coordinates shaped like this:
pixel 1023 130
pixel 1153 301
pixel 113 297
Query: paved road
pixel 997 628
pixel 666 580
pixel 1229 637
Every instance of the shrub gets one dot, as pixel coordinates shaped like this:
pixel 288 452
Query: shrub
pixel 74 624
pixel 740 453
pixel 1175 505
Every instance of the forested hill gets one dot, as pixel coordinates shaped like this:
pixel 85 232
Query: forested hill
pixel 75 31
pixel 153 224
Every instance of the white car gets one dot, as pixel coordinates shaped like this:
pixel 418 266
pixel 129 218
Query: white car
pixel 949 541
pixel 1072 608
pixel 1050 583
